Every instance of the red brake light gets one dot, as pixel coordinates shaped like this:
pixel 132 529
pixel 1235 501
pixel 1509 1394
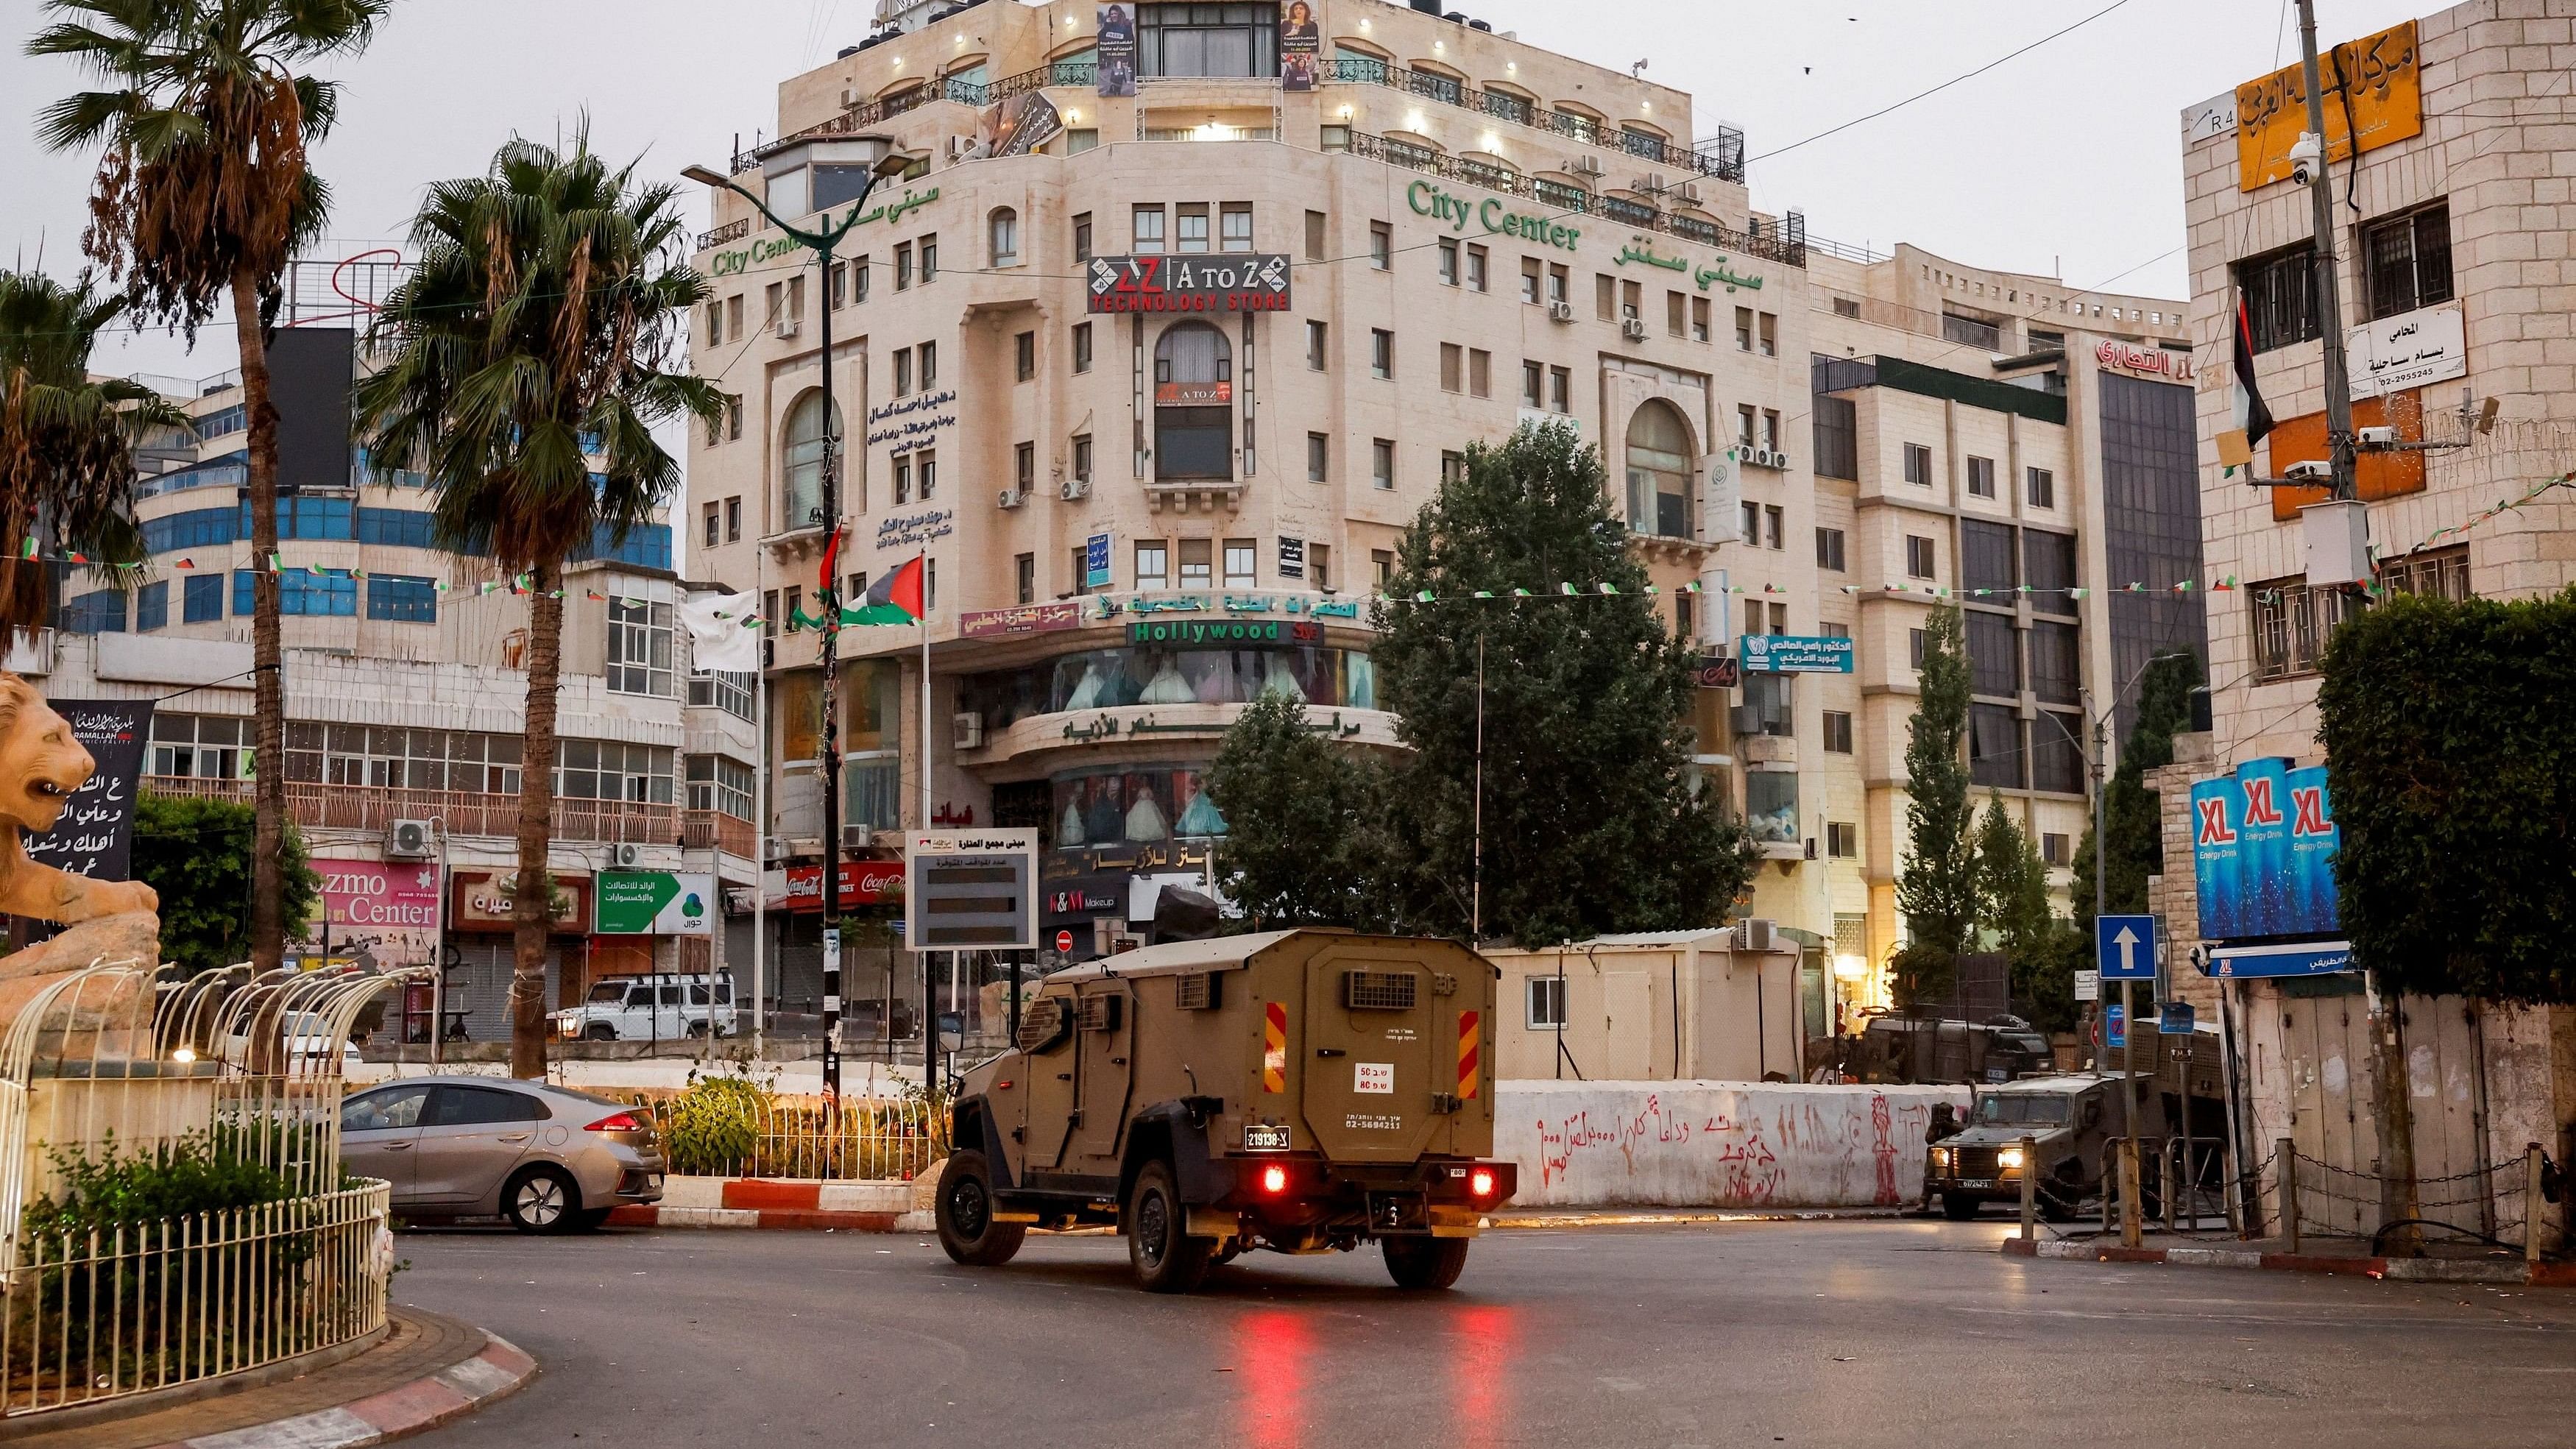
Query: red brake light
pixel 1274 1178
pixel 1480 1183
pixel 616 1122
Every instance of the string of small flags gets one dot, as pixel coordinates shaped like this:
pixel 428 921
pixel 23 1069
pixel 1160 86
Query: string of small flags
pixel 1599 590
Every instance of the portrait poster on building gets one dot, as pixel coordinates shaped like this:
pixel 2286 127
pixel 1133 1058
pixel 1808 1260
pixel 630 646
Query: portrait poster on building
pixel 95 835
pixel 1300 41
pixel 1115 35
pixel 1020 125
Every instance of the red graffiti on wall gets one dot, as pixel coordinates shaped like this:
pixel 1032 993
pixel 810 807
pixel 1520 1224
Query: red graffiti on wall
pixel 1883 1149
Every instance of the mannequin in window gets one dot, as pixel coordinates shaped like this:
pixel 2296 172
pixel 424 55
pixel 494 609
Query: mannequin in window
pixel 1167 686
pixel 1145 818
pixel 1105 822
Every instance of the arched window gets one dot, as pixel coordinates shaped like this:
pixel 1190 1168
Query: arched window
pixel 1004 229
pixel 1193 403
pixel 801 489
pixel 1659 471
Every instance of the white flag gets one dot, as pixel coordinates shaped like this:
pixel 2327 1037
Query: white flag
pixel 720 640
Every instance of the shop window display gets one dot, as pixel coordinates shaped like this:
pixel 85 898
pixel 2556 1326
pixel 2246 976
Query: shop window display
pixel 1132 805
pixel 1108 678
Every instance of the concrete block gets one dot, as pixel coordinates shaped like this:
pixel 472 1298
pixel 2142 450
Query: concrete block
pixel 866 1197
pixel 709 1218
pixel 1715 1144
pixel 692 1192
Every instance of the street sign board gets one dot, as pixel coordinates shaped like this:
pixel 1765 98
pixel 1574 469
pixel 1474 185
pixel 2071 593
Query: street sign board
pixel 654 903
pixel 2088 985
pixel 2124 947
pixel 971 890
pixel 2314 958
pixel 2115 1026
pixel 1064 941
pixel 1095 561
pixel 2176 1020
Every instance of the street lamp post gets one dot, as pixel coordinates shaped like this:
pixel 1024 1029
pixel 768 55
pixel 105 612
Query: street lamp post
pixel 809 177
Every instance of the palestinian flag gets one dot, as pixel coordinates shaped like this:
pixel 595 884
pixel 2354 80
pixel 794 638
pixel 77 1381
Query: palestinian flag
pixel 2252 418
pixel 894 598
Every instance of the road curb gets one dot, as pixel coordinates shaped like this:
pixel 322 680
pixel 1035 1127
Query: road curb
pixel 2402 1270
pixel 793 1219
pixel 497 1372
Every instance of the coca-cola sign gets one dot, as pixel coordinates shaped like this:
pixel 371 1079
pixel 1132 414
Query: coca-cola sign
pixel 863 883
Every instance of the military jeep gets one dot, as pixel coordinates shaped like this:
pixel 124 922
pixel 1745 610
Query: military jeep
pixel 1300 1091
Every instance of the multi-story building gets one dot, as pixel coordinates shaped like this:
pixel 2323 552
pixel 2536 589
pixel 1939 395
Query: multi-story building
pixel 406 694
pixel 1144 341
pixel 2456 293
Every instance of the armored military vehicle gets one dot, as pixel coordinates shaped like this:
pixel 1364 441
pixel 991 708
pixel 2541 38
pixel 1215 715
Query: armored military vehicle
pixel 1301 1091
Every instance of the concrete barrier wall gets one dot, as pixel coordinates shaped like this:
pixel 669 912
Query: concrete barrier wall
pixel 1715 1144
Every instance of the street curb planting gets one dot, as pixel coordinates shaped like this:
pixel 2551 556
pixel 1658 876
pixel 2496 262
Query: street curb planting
pixel 500 1370
pixel 2402 1270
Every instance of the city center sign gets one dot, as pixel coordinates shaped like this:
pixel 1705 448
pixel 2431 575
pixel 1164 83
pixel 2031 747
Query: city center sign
pixel 1492 214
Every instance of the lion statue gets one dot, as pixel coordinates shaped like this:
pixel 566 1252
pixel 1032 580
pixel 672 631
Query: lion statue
pixel 41 764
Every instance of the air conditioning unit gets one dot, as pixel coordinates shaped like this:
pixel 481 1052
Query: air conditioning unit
pixel 858 837
pixel 1767 458
pixel 789 326
pixel 1072 489
pixel 1633 328
pixel 1745 719
pixel 1753 934
pixel 1010 498
pixel 1650 183
pixel 625 856
pixel 1584 165
pixel 409 840
pixel 1560 311
pixel 1689 192
pixel 966 731
pixel 965 148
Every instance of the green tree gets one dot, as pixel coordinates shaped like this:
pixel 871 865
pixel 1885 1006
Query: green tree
pixel 197 855
pixel 1936 887
pixel 66 440
pixel 1592 821
pixel 204 195
pixel 525 364
pixel 2133 814
pixel 2012 882
pixel 1300 820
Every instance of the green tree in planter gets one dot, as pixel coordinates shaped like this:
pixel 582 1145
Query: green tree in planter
pixel 2043 952
pixel 197 855
pixel 1300 821
pixel 2132 812
pixel 1591 819
pixel 1936 887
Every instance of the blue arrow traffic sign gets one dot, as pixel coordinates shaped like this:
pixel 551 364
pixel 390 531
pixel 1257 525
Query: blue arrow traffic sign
pixel 2125 946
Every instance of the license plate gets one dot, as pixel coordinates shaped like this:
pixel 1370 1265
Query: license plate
pixel 1976 1182
pixel 1264 1137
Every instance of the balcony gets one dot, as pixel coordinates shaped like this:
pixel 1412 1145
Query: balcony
pixel 472 812
pixel 1725 161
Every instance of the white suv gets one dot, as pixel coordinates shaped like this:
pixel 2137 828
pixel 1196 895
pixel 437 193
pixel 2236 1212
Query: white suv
pixel 648 1008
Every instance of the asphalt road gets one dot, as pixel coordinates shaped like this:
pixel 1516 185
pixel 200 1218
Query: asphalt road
pixel 1829 1333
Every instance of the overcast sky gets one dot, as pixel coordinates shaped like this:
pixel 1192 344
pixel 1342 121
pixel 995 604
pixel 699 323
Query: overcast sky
pixel 2063 159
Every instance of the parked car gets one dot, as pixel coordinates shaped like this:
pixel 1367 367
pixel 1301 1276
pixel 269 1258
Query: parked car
pixel 660 1007
pixel 547 1158
pixel 295 1043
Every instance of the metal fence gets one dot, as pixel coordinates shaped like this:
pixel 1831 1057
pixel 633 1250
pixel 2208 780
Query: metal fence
pixel 730 1128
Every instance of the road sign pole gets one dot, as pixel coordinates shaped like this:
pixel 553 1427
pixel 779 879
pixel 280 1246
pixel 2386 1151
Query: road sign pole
pixel 2129 1105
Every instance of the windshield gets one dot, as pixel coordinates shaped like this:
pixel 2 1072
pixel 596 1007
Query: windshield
pixel 2016 1109
pixel 607 993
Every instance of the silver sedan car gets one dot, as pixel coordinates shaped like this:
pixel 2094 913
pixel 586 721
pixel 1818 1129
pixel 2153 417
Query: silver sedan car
pixel 547 1158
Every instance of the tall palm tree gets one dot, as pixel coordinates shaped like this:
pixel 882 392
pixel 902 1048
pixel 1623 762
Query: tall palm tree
pixel 66 440
pixel 204 195
pixel 523 366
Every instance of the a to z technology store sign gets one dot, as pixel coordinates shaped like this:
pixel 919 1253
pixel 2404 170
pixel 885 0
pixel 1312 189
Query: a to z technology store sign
pixel 1248 282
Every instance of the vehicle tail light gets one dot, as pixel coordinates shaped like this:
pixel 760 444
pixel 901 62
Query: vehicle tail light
pixel 1480 1183
pixel 1274 1178
pixel 617 1122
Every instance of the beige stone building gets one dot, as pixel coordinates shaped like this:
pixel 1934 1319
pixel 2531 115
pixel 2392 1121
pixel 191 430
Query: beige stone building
pixel 2452 258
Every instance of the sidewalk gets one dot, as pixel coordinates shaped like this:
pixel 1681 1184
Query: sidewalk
pixel 428 1369
pixel 2351 1257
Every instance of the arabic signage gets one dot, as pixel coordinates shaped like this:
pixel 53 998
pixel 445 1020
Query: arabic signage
pixel 1292 558
pixel 483 902
pixel 1156 603
pixel 1245 283
pixel 1022 124
pixel 2374 91
pixel 1794 653
pixel 971 890
pixel 912 530
pixel 94 836
pixel 1095 561
pixel 1715 671
pixel 863 883
pixel 760 249
pixel 1493 214
pixel 2410 349
pixel 2314 958
pixel 386 912
pixel 655 903
pixel 1224 633
pixel 1642 252
pixel 1025 619
pixel 913 430
pixel 2263 845
pixel 2144 361
pixel 1067 869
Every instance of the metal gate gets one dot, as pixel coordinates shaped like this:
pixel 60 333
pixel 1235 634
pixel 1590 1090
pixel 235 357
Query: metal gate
pixel 2312 1050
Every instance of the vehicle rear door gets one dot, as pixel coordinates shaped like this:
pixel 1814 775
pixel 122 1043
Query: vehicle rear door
pixel 380 1135
pixel 1372 1049
pixel 1050 1065
pixel 1104 1035
pixel 470 1138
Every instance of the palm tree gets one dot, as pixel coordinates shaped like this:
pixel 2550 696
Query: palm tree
pixel 203 195
pixel 66 441
pixel 522 367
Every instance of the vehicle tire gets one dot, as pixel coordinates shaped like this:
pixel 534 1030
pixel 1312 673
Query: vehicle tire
pixel 1958 1207
pixel 541 1199
pixel 1424 1263
pixel 600 1031
pixel 964 1212
pixel 1166 1258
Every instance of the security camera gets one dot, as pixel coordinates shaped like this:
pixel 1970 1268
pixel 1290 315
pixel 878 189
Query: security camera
pixel 2316 470
pixel 2306 155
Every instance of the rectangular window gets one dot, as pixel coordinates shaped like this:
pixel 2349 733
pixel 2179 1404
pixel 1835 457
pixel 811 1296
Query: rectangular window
pixel 902 266
pixel 1319 566
pixel 1981 477
pixel 1752 529
pixel 1453 467
pixel 1082 457
pixel 1745 416
pixel 1744 329
pixel 1241 563
pixel 1836 432
pixel 902 372
pixel 733 315
pixel 1632 300
pixel 733 520
pixel 719 784
pixel 1772 518
pixel 401 599
pixel 201 598
pixel 1605 296
pixel 929 259
pixel 1452 365
pixel 1994 653
pixel 1382 564
pixel 1147 229
pixel 1315 346
pixel 1842 839
pixel 1190 222
pixel 733 418
pixel 2039 487
pixel 2053 849
pixel 1153 564
pixel 715 324
pixel 1477 258
pixel 2409 261
pixel 152 606
pixel 2056 662
pixel 1381 246
pixel 1699 319
pixel 863 271
pixel 714 525
pixel 1560 389
pixel 299 592
pixel 929 365
pixel 903 478
pixel 1531 283
pixel 2292 623
pixel 1676 313
pixel 1235 39
pixel 1382 462
pixel 1480 372
pixel 1533 385
pixel 926 473
pixel 1235 226
pixel 1315 223
pixel 1771 429
pixel 2280 295
pixel 796 297
pixel 1916 643
pixel 1560 283
pixel 1024 355
pixel 1448 252
pixel 1081 573
pixel 1986 556
pixel 639 647
pixel 2056 760
pixel 1838 732
pixel 839 289
pixel 2048 566
pixel 1024 468
pixel 1971 331
pixel 1770 335
pixel 1082 237
pixel 1318 457
pixel 1918 556
pixel 1381 353
pixel 1197 563
pixel 1081 347
pixel 1829 549
pixel 1024 572
pixel 1918 465
pixel 1546 1003
pixel 1995 756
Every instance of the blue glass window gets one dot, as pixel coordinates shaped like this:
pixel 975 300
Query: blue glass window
pixel 152 607
pixel 300 592
pixel 306 518
pixel 401 598
pixel 403 527
pixel 197 528
pixel 203 599
pixel 647 546
pixel 101 611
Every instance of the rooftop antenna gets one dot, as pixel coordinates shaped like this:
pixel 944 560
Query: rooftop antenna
pixel 1637 71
